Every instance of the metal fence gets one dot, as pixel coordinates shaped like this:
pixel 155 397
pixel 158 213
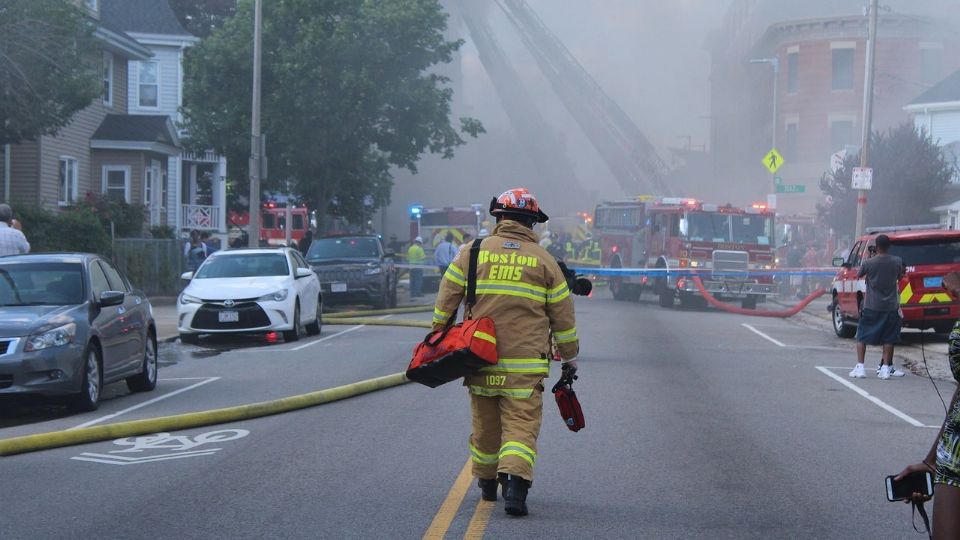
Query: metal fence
pixel 153 265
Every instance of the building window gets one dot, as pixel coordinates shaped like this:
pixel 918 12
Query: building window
pixel 68 181
pixel 841 134
pixel 163 189
pixel 792 60
pixel 790 145
pixel 149 189
pixel 842 69
pixel 116 182
pixel 107 78
pixel 148 77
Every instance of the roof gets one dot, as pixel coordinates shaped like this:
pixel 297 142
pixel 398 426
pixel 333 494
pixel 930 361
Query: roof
pixel 141 16
pixel 945 91
pixel 137 128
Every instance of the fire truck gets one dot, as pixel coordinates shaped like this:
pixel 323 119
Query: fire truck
pixel 273 222
pixel 433 225
pixel 726 242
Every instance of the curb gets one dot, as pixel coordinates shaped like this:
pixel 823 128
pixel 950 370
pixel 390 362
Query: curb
pixel 59 439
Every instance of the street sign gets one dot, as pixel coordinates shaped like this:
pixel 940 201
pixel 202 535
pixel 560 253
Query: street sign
pixel 791 188
pixel 862 178
pixel 773 160
pixel 777 180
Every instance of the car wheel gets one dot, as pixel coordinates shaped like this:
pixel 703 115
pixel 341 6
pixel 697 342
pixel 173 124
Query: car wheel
pixel 294 333
pixel 840 326
pixel 314 328
pixel 146 380
pixel 190 339
pixel 943 327
pixel 91 383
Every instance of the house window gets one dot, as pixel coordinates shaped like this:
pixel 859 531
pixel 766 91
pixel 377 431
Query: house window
pixel 148 78
pixel 792 58
pixel 163 189
pixel 790 146
pixel 842 68
pixel 149 189
pixel 107 78
pixel 68 181
pixel 116 182
pixel 841 134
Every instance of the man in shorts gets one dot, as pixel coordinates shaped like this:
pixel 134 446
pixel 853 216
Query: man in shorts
pixel 880 321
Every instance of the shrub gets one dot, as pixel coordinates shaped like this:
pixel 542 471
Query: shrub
pixel 128 219
pixel 163 231
pixel 77 229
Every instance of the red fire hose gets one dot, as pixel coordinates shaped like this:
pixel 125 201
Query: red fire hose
pixel 756 312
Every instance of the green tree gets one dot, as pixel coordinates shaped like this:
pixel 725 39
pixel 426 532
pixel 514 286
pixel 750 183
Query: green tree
pixel 909 178
pixel 48 67
pixel 202 17
pixel 347 94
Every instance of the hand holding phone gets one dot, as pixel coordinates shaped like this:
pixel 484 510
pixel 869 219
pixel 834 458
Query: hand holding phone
pixel 915 481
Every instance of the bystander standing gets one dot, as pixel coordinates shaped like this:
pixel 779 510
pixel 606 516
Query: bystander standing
pixel 444 254
pixel 12 241
pixel 880 319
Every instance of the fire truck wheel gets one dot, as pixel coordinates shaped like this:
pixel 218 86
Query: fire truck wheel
pixel 749 302
pixel 943 327
pixel 666 297
pixel 616 289
pixel 632 293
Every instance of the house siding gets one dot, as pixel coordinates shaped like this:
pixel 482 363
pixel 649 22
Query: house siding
pixel 24 172
pixel 73 141
pixel 137 161
pixel 168 59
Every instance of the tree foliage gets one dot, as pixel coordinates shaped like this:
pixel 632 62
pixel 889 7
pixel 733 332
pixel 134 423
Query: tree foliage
pixel 49 67
pixel 202 17
pixel 347 94
pixel 909 178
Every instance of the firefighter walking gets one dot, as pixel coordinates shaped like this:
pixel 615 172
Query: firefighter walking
pixel 521 288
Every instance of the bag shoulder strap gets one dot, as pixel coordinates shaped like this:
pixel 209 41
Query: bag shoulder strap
pixel 472 277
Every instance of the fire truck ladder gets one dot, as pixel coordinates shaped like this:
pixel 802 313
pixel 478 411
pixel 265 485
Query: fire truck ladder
pixel 542 144
pixel 627 152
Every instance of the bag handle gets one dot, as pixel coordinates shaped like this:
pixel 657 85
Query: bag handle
pixel 472 279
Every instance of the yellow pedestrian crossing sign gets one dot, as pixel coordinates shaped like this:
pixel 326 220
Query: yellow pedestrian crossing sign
pixel 773 160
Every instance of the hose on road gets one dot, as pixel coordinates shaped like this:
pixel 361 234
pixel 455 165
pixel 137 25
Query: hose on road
pixel 58 439
pixel 409 323
pixel 756 312
pixel 371 312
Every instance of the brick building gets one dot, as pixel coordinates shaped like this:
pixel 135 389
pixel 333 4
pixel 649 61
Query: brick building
pixel 820 46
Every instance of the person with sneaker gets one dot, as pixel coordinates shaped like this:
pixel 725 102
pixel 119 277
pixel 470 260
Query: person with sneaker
pixel 880 319
pixel 521 287
pixel 943 459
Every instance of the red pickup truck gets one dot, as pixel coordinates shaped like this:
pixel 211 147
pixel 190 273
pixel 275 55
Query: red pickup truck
pixel 928 252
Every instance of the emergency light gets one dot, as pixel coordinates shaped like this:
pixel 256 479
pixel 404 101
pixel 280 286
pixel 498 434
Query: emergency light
pixel 415 211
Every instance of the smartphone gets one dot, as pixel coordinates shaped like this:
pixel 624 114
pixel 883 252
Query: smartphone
pixel 918 482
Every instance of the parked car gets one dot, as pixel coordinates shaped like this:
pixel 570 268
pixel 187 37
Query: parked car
pixel 251 291
pixel 69 324
pixel 928 254
pixel 355 269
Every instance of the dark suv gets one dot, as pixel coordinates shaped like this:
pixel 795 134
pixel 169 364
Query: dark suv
pixel 354 269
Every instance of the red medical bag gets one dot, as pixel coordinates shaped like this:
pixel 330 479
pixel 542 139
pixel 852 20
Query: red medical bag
pixel 567 401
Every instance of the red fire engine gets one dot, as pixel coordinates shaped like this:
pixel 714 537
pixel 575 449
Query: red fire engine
pixel 273 219
pixel 683 234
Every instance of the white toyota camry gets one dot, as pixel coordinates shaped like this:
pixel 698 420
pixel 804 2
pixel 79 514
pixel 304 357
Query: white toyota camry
pixel 251 290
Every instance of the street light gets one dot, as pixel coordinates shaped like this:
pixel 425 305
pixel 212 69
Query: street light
pixel 775 62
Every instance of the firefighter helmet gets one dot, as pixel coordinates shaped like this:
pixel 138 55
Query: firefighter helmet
pixel 518 202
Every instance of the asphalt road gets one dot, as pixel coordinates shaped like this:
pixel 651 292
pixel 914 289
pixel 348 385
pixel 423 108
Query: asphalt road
pixel 700 424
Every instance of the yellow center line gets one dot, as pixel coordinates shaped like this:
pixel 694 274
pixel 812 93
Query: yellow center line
pixel 448 510
pixel 478 523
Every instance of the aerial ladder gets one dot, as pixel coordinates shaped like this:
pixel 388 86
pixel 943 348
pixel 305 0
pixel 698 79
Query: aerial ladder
pixel 539 140
pixel 626 151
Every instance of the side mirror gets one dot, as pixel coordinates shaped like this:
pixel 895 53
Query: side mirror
pixel 111 298
pixel 304 272
pixel 838 261
pixel 187 276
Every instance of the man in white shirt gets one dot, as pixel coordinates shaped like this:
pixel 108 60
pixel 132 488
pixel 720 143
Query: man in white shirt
pixel 12 241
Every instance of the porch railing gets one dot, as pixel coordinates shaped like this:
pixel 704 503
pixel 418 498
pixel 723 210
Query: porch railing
pixel 200 217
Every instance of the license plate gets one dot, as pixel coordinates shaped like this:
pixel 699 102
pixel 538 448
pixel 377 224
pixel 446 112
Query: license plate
pixel 932 282
pixel 229 316
pixel 338 287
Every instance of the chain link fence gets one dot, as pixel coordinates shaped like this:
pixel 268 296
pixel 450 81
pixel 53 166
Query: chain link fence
pixel 152 265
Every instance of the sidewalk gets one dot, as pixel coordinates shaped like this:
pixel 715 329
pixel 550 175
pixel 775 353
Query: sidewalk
pixel 909 354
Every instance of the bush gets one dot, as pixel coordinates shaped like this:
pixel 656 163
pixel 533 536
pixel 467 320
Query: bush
pixel 128 219
pixel 77 229
pixel 163 231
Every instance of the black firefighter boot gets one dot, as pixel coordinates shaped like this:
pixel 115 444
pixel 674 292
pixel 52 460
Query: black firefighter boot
pixel 515 494
pixel 488 488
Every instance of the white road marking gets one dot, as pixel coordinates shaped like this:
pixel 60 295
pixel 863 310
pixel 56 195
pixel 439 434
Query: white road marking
pixel 169 446
pixel 764 336
pixel 145 403
pixel 875 400
pixel 321 340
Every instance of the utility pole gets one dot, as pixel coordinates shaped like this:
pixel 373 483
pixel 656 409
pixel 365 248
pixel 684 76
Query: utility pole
pixel 256 148
pixel 867 107
pixel 775 63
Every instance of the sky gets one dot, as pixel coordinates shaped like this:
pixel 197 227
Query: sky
pixel 648 55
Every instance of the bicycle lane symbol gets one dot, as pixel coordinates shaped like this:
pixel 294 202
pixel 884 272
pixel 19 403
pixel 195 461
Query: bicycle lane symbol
pixel 163 447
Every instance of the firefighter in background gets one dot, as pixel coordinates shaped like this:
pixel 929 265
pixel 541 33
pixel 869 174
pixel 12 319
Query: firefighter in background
pixel 416 255
pixel 520 287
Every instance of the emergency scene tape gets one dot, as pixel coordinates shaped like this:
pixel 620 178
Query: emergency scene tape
pixel 443 269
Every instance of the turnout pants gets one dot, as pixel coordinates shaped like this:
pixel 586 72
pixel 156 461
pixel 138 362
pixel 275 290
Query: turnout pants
pixel 505 431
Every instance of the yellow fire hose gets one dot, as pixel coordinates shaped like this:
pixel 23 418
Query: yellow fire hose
pixel 410 323
pixel 367 313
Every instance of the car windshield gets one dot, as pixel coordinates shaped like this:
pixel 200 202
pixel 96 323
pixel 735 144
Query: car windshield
pixel 244 265
pixel 41 284
pixel 930 251
pixel 343 248
pixel 748 229
pixel 708 227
